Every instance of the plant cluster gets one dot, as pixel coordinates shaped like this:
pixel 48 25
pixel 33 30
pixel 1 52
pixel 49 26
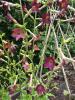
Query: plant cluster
pixel 36 39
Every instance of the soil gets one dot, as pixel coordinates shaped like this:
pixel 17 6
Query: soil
pixel 59 95
pixel 70 72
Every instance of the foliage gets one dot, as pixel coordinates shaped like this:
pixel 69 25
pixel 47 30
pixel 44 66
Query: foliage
pixel 35 37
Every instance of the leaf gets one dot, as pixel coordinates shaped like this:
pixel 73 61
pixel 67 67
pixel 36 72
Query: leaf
pixel 65 93
pixel 67 40
pixel 5 96
pixel 26 96
pixel 50 94
pixel 44 97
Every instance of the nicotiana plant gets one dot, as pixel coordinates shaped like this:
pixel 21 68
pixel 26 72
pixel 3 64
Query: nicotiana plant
pixel 35 42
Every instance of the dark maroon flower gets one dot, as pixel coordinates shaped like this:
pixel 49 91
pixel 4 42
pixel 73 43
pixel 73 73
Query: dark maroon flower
pixel 36 48
pixel 24 7
pixel 18 34
pixel 62 4
pixel 12 49
pixel 10 18
pixel 35 6
pixel 6 8
pixel 6 44
pixel 64 62
pixel 49 63
pixel 37 38
pixel 26 66
pixel 46 18
pixel 40 89
pixel 12 89
pixel 62 13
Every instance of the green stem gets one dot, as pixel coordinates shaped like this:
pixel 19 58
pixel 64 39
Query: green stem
pixel 43 52
pixel 22 11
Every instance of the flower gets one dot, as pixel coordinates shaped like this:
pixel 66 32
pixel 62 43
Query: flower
pixel 62 13
pixel 12 89
pixel 49 63
pixel 6 44
pixel 35 6
pixel 36 48
pixel 40 89
pixel 37 38
pixel 62 4
pixel 17 33
pixel 12 49
pixel 46 18
pixel 24 7
pixel 10 18
pixel 6 8
pixel 26 66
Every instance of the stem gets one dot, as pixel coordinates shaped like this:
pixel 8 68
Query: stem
pixel 30 83
pixel 31 33
pixel 44 49
pixel 71 8
pixel 67 47
pixel 65 77
pixel 22 11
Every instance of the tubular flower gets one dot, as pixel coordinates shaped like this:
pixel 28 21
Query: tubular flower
pixel 49 63
pixel 10 18
pixel 24 7
pixel 62 4
pixel 12 89
pixel 38 37
pixel 12 49
pixel 26 66
pixel 46 18
pixel 35 6
pixel 40 89
pixel 36 48
pixel 6 44
pixel 6 8
pixel 18 34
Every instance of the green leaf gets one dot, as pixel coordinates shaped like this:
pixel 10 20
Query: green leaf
pixel 66 92
pixel 5 96
pixel 50 94
pixel 44 97
pixel 25 96
pixel 67 40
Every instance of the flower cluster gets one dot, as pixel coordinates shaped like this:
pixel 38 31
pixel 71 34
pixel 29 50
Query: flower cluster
pixel 63 4
pixel 26 50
